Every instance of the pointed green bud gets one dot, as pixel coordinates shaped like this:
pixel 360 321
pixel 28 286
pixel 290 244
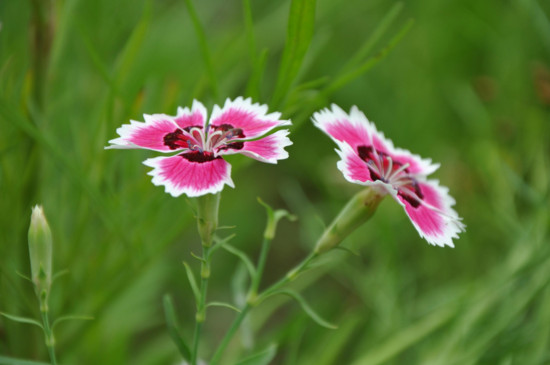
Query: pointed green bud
pixel 40 250
pixel 356 212
pixel 207 217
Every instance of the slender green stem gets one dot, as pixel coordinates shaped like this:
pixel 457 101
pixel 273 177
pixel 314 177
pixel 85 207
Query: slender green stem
pixel 207 222
pixel 259 271
pixel 290 276
pixel 48 333
pixel 229 335
pixel 200 316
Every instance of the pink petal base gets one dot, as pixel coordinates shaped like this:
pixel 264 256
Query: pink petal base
pixel 435 219
pixel 355 170
pixel 181 176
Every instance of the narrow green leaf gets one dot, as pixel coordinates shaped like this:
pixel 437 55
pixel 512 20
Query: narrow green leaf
pixel 59 274
pixel 222 304
pixel 369 63
pixel 192 282
pixel 4 360
pixel 241 255
pixel 199 30
pixel 23 276
pixel 309 311
pixel 348 250
pixel 263 357
pixel 301 22
pixel 249 29
pixel 69 318
pixel 254 82
pixel 134 44
pixel 198 257
pixel 96 59
pixel 173 327
pixel 311 84
pixel 22 319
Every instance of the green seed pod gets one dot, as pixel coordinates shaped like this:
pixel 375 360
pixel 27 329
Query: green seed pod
pixel 40 250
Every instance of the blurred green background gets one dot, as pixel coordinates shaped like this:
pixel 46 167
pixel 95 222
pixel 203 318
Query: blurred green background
pixel 468 85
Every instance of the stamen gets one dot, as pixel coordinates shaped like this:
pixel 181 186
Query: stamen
pixel 399 170
pixel 389 170
pixel 376 155
pixel 374 168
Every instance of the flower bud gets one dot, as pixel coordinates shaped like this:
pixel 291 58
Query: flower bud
pixel 40 250
pixel 358 210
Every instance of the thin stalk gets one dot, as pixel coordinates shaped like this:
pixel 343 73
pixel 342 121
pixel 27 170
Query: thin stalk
pixel 229 335
pixel 200 316
pixel 48 333
pixel 259 271
pixel 290 276
pixel 207 223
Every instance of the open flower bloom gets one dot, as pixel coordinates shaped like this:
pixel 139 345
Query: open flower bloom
pixel 368 158
pixel 198 167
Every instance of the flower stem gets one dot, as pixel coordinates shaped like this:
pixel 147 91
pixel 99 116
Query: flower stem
pixel 356 212
pixel 254 300
pixel 207 222
pixel 48 333
pixel 259 271
pixel 229 335
pixel 200 316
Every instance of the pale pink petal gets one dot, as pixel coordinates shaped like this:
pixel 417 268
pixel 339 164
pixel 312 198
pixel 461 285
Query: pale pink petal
pixel 417 164
pixel 434 219
pixel 196 117
pixel 354 129
pixel 252 119
pixel 268 149
pixel 148 135
pixel 181 176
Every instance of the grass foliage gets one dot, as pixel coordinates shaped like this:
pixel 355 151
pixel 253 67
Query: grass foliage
pixel 467 84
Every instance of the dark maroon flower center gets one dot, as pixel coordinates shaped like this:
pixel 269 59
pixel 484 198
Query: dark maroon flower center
pixel 175 140
pixel 382 167
pixel 208 143
pixel 199 157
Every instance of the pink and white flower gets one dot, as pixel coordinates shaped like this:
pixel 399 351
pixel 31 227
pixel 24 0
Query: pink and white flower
pixel 368 158
pixel 198 167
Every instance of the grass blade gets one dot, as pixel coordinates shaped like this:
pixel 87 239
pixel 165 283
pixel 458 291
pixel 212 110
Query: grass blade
pixel 376 35
pixel 173 327
pixel 203 47
pixel 406 338
pixel 4 360
pixel 370 62
pixel 301 22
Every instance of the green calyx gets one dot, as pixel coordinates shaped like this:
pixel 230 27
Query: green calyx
pixel 356 212
pixel 207 217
